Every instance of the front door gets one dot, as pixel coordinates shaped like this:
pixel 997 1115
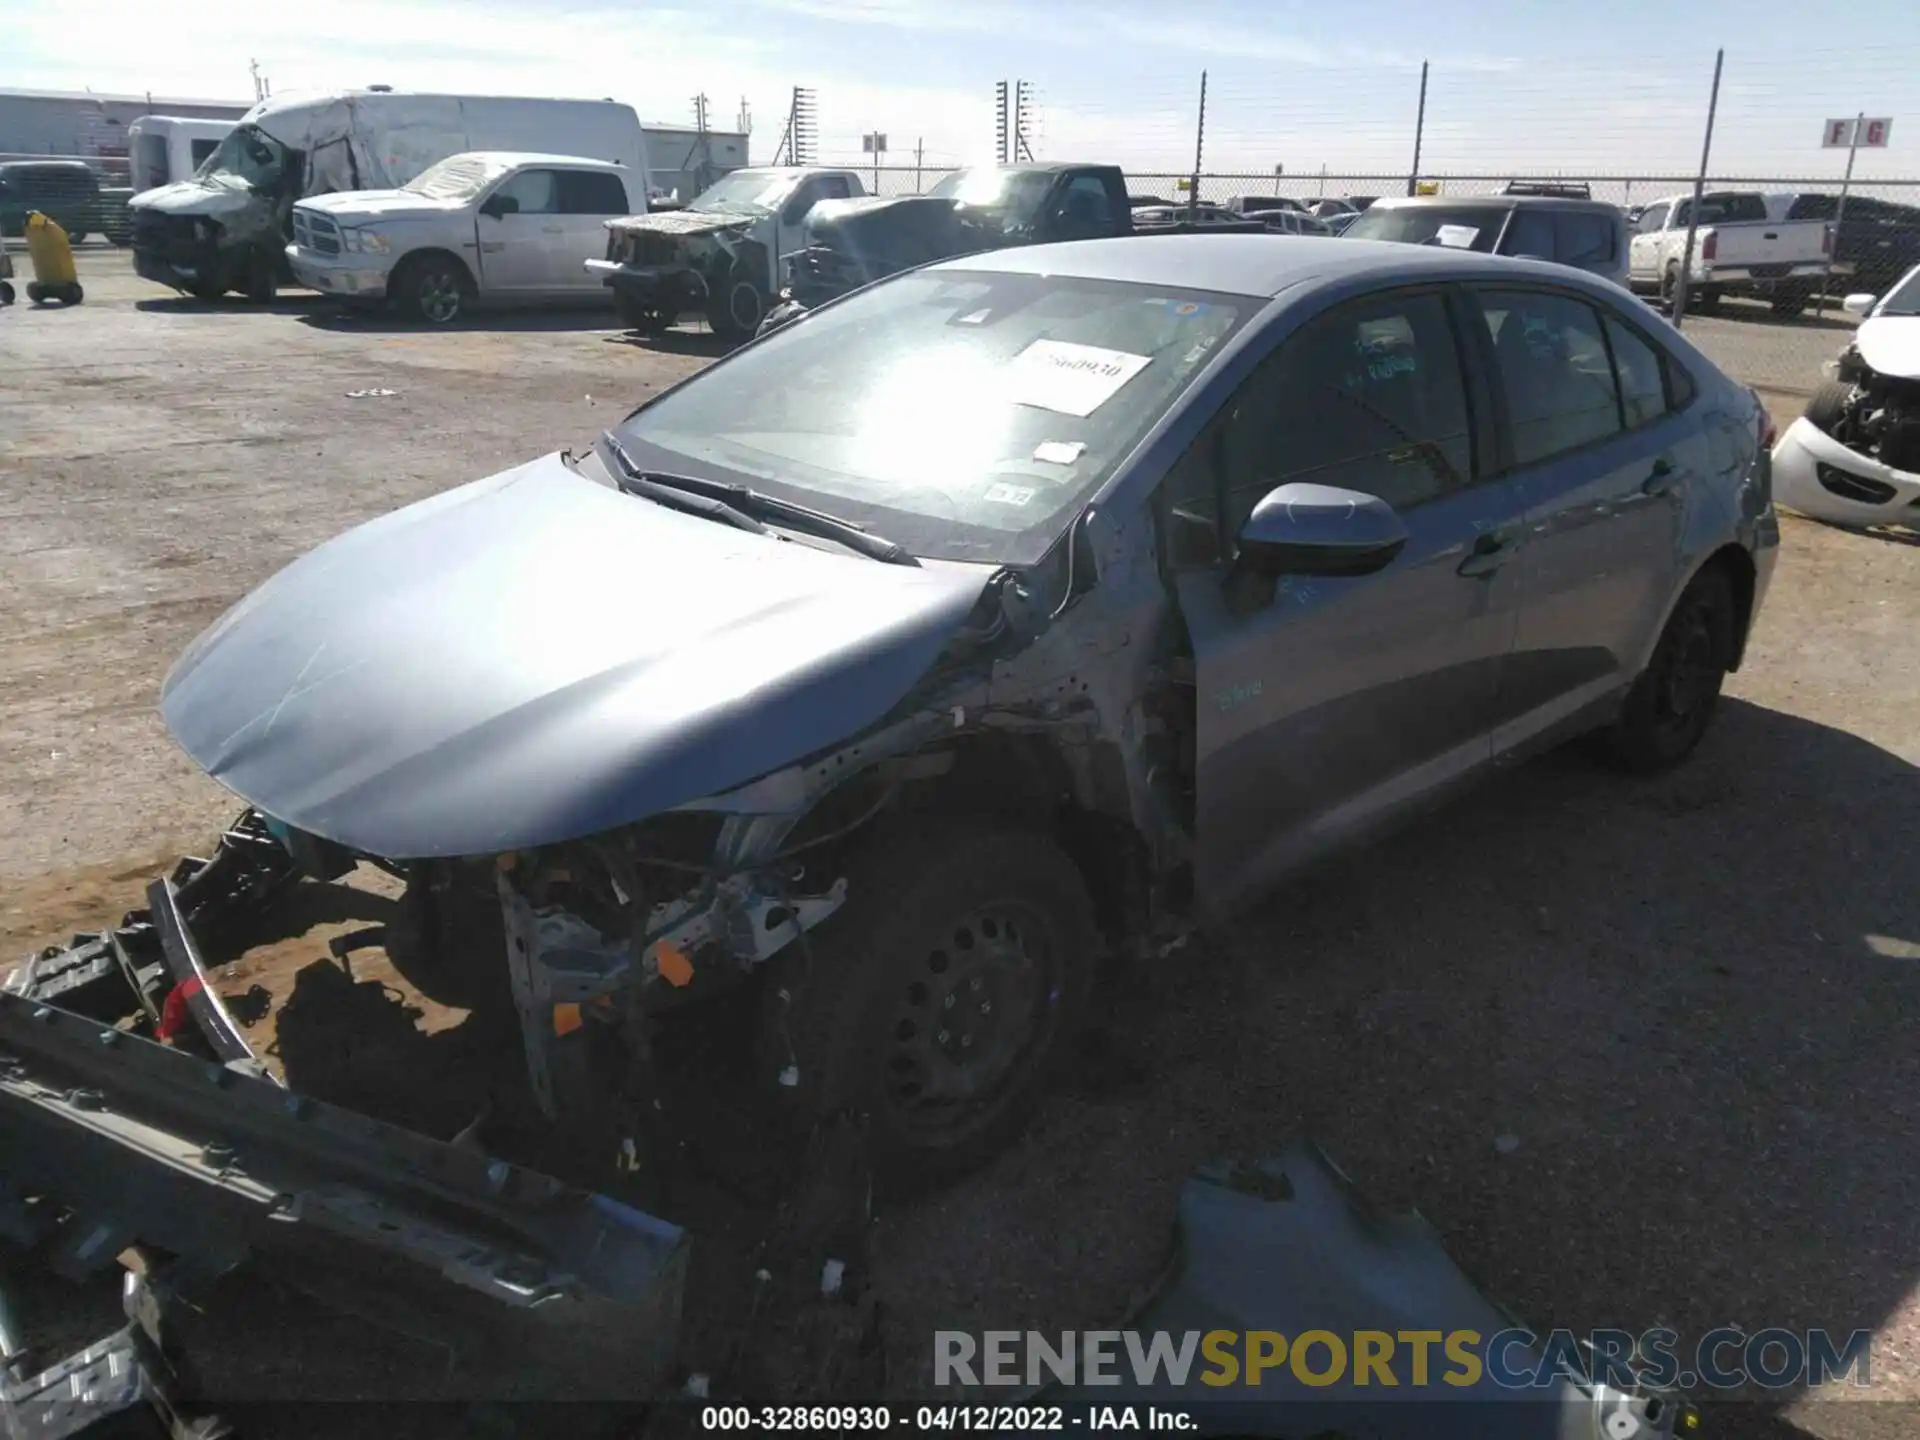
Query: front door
pixel 518 245
pixel 790 225
pixel 1605 470
pixel 1326 706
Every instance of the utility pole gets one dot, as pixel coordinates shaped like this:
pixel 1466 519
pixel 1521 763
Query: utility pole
pixel 1840 212
pixel 1419 129
pixel 919 156
pixel 1199 149
pixel 1699 187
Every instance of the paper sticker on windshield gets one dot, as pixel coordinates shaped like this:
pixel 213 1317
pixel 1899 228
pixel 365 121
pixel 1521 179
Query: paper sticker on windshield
pixel 1460 237
pixel 1070 379
pixel 1008 494
pixel 1059 452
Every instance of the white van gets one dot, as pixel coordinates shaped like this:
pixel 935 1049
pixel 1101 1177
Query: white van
pixel 227 228
pixel 164 148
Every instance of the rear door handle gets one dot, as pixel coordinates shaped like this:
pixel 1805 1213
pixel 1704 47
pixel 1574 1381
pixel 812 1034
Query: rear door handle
pixel 1662 478
pixel 1490 551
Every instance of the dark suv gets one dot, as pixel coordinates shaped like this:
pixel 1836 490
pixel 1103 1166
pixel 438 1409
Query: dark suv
pixel 1589 235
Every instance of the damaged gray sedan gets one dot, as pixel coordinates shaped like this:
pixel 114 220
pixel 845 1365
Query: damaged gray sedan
pixel 1003 611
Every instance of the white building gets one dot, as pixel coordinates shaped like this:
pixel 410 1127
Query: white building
pixel 685 160
pixel 90 125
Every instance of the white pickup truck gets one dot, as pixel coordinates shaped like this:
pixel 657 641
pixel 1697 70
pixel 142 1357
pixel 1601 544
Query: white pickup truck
pixel 1737 250
pixel 487 225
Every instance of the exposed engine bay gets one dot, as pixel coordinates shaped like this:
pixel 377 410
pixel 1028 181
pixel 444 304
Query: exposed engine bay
pixel 1878 415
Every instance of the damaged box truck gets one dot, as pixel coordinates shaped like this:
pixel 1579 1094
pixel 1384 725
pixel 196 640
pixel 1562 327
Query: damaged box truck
pixel 227 227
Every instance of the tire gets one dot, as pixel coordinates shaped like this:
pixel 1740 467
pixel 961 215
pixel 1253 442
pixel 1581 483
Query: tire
pixel 207 292
pixel 432 288
pixel 737 308
pixel 6 292
pixel 35 294
pixel 784 313
pixel 1670 285
pixel 1703 301
pixel 73 294
pixel 261 281
pixel 1670 706
pixel 881 1008
pixel 644 318
pixel 74 237
pixel 451 943
pixel 1829 404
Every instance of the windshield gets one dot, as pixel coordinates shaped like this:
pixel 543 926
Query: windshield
pixel 459 177
pixel 963 414
pixel 1010 197
pixel 744 190
pixel 1464 227
pixel 1904 298
pixel 248 155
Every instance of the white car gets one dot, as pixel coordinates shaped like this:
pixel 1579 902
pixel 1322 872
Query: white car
pixel 1854 457
pixel 486 225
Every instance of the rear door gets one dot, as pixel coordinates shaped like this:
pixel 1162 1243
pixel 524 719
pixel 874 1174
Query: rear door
pixel 1604 468
pixel 587 199
pixel 1328 705
pixel 519 249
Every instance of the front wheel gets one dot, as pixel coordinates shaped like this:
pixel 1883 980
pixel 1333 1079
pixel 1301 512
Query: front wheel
pixel 431 288
pixel 938 1001
pixel 736 307
pixel 6 292
pixel 1670 706
pixel 1789 301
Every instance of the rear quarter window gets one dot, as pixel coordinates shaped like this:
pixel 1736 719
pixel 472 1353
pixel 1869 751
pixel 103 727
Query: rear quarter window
pixel 1584 239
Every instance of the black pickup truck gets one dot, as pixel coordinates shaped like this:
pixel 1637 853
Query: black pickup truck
pixel 850 243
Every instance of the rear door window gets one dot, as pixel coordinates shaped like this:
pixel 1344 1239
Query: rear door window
pixel 1554 369
pixel 591 192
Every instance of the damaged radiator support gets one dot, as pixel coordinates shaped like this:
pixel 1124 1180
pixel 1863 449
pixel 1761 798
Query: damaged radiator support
pixel 539 1289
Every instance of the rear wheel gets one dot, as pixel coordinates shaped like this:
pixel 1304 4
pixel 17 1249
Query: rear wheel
pixel 1670 706
pixel 73 294
pixel 6 292
pixel 36 293
pixel 938 1001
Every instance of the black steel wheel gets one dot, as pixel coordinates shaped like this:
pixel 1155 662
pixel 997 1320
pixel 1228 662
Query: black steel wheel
pixel 938 1001
pixel 736 307
pixel 1670 706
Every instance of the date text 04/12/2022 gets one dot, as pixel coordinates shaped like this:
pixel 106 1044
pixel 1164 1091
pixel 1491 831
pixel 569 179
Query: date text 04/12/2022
pixel 946 1419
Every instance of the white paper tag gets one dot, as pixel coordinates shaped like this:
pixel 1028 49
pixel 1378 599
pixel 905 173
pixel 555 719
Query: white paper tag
pixel 1059 452
pixel 1070 379
pixel 1008 494
pixel 1460 237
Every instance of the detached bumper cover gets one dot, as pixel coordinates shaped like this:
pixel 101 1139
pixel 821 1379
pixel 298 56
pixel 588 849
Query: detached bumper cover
pixel 1818 476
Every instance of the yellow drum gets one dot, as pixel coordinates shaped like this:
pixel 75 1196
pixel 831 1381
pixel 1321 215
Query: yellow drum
pixel 54 277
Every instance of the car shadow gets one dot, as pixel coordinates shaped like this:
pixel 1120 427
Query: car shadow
pixel 1640 1049
pixel 373 320
pixel 702 342
pixel 1756 312
pixel 281 304
pixel 1890 534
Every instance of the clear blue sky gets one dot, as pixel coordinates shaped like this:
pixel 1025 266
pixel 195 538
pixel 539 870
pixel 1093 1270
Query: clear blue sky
pixel 1616 88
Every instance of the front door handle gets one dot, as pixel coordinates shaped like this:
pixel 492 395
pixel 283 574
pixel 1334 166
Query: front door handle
pixel 553 229
pixel 1662 478
pixel 1490 551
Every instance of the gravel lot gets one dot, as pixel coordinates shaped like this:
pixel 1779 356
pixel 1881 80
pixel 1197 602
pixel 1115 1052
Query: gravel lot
pixel 1691 999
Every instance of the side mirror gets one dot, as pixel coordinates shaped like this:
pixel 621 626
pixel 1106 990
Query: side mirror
pixel 496 205
pixel 1306 529
pixel 1858 304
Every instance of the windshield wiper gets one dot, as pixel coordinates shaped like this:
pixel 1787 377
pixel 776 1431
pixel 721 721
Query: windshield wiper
pixel 756 505
pixel 635 481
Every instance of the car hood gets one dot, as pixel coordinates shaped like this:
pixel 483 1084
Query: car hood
pixel 196 197
pixel 1890 344
pixel 536 657
pixel 360 207
pixel 893 230
pixel 686 222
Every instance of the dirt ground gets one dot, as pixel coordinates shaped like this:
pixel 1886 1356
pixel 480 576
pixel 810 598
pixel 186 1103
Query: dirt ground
pixel 1691 1000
